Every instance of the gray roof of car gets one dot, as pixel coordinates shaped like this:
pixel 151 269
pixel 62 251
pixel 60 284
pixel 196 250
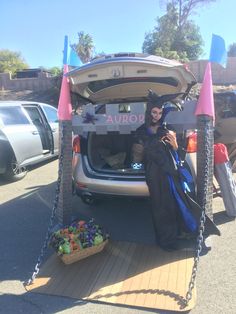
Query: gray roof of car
pixel 20 102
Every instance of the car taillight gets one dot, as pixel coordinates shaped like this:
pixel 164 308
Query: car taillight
pixel 192 143
pixel 76 144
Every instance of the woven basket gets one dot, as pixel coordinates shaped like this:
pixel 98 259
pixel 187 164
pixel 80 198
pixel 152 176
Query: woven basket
pixel 81 254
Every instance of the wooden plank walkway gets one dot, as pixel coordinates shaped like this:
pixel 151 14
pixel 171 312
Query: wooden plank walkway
pixel 124 273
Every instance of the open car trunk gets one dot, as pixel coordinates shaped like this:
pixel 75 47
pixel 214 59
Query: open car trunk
pixel 111 153
pixel 109 100
pixel 116 77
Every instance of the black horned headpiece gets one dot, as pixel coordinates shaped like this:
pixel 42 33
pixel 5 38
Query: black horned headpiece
pixel 158 101
pixel 153 100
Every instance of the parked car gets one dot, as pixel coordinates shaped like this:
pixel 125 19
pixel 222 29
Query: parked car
pixel 225 109
pixel 225 125
pixel 115 88
pixel 28 134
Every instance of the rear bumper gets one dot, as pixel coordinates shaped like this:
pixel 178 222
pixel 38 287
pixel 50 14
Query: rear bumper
pixel 110 186
pixel 119 188
pixel 107 186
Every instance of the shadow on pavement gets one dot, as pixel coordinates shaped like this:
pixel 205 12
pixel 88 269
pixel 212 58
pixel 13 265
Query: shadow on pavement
pixel 221 218
pixel 3 181
pixel 37 304
pixel 23 225
pixel 24 222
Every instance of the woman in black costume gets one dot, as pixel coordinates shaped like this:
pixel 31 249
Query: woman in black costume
pixel 174 209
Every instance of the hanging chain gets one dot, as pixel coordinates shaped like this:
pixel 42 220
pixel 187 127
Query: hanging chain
pixel 55 205
pixel 200 237
pixel 188 296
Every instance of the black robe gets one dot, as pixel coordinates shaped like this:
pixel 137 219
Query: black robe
pixel 159 167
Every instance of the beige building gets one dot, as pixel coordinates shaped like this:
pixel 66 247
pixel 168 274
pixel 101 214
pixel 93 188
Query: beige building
pixel 220 75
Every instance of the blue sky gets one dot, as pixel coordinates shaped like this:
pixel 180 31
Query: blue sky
pixel 36 28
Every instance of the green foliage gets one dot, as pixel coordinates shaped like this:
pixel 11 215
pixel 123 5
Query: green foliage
pixel 55 71
pixel 11 61
pixel 185 8
pixel 175 35
pixel 84 47
pixel 232 50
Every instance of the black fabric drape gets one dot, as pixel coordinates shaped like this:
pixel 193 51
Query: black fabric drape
pixel 167 218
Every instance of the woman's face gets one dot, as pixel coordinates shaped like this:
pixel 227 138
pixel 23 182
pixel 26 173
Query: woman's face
pixel 156 114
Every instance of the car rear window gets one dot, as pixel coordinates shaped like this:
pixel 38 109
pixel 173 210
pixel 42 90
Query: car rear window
pixel 96 86
pixel 13 115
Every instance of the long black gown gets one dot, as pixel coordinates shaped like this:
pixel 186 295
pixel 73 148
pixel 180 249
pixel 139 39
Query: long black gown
pixel 168 219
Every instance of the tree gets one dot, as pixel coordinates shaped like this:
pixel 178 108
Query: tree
pixel 11 61
pixel 232 50
pixel 176 36
pixel 84 47
pixel 185 8
pixel 55 71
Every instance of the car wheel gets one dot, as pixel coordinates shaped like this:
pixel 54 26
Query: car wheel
pixel 14 172
pixel 90 200
pixel 87 199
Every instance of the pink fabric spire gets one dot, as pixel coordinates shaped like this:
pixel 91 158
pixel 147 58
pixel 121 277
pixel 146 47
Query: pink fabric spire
pixel 64 105
pixel 205 104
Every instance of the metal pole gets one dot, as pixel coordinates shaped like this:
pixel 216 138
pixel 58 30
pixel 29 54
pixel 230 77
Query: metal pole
pixel 64 210
pixel 205 163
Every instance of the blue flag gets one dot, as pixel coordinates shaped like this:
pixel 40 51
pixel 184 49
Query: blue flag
pixel 73 59
pixel 70 57
pixel 218 52
pixel 65 51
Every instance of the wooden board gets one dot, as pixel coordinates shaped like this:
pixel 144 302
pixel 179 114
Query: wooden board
pixel 124 273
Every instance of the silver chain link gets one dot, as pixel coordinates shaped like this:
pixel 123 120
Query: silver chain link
pixel 53 214
pixel 200 237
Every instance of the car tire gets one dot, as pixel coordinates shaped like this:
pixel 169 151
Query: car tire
pixel 90 200
pixel 14 172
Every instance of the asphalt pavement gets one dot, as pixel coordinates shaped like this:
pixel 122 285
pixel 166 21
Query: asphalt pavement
pixel 25 212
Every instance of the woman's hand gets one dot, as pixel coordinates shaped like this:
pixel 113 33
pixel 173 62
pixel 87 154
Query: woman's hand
pixel 171 139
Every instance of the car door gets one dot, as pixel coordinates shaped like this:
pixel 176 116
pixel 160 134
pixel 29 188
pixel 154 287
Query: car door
pixel 52 119
pixel 21 133
pixel 39 120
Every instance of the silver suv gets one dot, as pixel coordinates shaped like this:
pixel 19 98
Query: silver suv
pixel 109 97
pixel 28 134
